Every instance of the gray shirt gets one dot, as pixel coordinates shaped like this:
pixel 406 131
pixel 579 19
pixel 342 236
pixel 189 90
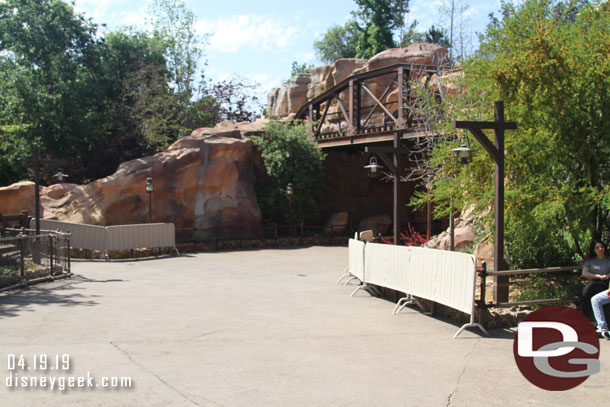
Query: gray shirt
pixel 598 266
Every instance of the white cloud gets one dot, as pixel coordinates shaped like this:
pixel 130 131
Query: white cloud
pixel 106 12
pixel 254 32
pixel 266 82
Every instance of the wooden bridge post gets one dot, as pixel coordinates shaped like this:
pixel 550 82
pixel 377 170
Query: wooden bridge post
pixel 401 101
pixel 310 122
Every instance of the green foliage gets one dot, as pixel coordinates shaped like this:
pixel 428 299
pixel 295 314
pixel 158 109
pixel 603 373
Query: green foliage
pixel 14 148
pixel 5 271
pixel 412 35
pixel 97 102
pixel 50 83
pixel 289 157
pixel 434 35
pixel 550 66
pixel 545 286
pixel 173 26
pixel 338 42
pixel 299 68
pixel 438 36
pixel 144 112
pixel 376 21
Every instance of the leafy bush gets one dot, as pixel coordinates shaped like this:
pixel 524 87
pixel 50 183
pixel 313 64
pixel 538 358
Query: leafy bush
pixel 289 157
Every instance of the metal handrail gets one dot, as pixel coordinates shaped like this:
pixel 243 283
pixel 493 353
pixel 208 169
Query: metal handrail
pixel 483 273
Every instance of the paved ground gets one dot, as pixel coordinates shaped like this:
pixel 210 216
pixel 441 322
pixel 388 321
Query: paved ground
pixel 254 328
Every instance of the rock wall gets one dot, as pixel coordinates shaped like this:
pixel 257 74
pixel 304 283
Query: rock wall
pixel 203 182
pixel 287 100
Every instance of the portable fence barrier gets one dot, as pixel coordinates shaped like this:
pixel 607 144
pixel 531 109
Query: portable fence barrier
pixel 120 237
pixel 26 258
pixel 355 270
pixel 448 278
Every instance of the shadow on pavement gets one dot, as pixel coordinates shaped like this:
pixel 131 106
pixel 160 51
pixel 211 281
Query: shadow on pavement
pixel 14 303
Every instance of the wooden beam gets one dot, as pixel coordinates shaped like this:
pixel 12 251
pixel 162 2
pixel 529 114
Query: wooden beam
pixel 322 118
pixel 347 118
pixel 380 104
pixel 385 93
pixel 486 144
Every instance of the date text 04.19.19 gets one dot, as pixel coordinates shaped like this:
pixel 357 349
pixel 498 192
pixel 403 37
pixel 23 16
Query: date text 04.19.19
pixel 38 362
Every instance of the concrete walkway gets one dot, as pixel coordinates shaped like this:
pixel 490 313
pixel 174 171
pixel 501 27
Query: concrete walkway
pixel 254 328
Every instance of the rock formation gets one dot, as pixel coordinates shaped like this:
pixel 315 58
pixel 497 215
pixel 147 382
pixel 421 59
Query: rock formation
pixel 379 224
pixel 284 101
pixel 203 182
pixel 337 223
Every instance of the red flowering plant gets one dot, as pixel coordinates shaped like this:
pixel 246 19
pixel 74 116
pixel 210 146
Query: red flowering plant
pixel 410 237
pixel 413 238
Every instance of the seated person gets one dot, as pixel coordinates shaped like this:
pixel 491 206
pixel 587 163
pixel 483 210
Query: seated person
pixel 597 270
pixel 597 303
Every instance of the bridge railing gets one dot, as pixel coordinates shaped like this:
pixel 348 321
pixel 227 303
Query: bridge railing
pixel 366 102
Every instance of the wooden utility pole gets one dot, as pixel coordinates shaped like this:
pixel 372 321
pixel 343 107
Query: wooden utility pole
pixel 496 151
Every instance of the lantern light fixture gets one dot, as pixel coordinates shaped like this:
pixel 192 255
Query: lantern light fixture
pixel 373 167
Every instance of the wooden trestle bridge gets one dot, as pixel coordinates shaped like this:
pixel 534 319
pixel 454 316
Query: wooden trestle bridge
pixel 370 107
pixel 382 105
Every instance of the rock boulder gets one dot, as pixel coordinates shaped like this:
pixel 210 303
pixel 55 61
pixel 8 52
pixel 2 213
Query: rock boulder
pixel 291 96
pixel 378 224
pixel 337 223
pixel 16 198
pixel 203 182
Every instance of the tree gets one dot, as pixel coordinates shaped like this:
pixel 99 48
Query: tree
pixel 289 156
pixel 412 36
pixel 144 111
pixel 232 99
pixel 458 29
pixel 548 60
pixel 51 90
pixel 300 68
pixel 173 26
pixel 437 36
pixel 376 21
pixel 338 42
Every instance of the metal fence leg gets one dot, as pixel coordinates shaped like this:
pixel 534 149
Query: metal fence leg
pixel 403 302
pixel 368 288
pixel 356 290
pixel 350 280
pixel 471 324
pixel 345 274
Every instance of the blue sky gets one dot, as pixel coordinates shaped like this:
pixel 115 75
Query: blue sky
pixel 259 40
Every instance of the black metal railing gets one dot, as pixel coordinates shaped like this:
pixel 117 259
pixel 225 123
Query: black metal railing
pixel 26 257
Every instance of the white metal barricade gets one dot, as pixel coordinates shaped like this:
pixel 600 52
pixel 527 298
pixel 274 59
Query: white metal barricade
pixel 120 237
pixel 437 275
pixel 88 237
